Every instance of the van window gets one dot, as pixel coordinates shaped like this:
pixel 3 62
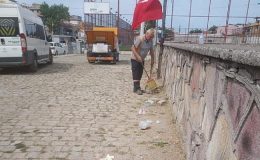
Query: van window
pixel 34 30
pixel 9 27
pixel 30 29
pixel 40 32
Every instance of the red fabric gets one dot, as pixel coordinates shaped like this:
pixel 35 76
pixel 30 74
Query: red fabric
pixel 146 10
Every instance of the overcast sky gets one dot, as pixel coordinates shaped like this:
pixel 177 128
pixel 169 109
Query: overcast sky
pixel 181 7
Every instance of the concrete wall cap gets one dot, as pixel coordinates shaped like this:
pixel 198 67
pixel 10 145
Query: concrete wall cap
pixel 244 54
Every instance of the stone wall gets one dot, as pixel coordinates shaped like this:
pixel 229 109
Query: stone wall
pixel 215 95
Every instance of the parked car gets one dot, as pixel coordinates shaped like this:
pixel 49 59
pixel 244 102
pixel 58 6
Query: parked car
pixel 22 38
pixel 65 46
pixel 57 48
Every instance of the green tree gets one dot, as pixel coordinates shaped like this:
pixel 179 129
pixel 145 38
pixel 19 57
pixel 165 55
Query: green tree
pixel 149 24
pixel 196 31
pixel 54 15
pixel 168 33
pixel 213 29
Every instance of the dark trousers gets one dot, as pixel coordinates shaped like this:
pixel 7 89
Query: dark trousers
pixel 137 73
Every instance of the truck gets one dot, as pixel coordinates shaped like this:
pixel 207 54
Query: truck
pixel 102 44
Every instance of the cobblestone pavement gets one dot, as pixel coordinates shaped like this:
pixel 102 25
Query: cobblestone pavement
pixel 80 111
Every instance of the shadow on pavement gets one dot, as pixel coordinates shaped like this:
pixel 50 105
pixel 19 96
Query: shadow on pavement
pixel 42 69
pixel 121 62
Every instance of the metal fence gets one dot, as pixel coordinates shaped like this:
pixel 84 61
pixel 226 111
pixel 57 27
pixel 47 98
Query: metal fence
pixel 245 30
pixel 249 34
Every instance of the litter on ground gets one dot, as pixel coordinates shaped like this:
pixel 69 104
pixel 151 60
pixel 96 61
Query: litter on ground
pixel 145 124
pixel 142 111
pixel 161 102
pixel 108 157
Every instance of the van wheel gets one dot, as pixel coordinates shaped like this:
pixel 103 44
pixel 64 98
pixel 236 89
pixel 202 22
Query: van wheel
pixel 34 66
pixel 50 58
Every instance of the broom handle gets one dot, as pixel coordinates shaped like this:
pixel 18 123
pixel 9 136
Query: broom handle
pixel 145 71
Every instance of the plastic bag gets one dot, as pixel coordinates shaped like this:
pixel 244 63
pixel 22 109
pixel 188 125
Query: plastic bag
pixel 145 124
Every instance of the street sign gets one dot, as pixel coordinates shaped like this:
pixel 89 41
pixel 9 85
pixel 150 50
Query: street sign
pixel 96 8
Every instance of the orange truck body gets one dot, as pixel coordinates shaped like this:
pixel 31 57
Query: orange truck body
pixel 102 37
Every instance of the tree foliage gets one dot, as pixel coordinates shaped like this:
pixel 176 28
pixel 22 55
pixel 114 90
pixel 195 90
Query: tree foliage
pixel 149 24
pixel 213 29
pixel 54 15
pixel 196 31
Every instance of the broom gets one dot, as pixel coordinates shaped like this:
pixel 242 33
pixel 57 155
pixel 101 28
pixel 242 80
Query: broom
pixel 150 83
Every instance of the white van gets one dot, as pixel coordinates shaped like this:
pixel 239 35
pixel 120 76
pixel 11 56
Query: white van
pixel 22 38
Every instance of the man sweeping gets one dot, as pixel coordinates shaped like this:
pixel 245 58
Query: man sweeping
pixel 145 10
pixel 143 46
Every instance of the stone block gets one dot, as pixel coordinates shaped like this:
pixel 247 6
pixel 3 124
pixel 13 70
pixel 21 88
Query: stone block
pixel 195 79
pixel 220 147
pixel 256 74
pixel 245 73
pixel 248 144
pixel 237 98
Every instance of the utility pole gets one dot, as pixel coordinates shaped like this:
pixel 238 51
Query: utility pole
pixel 162 39
pixel 118 5
pixel 110 18
pixel 244 27
pixel 208 20
pixel 247 11
pixel 227 20
pixel 172 13
pixel 189 21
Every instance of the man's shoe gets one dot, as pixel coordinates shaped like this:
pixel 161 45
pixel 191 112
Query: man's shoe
pixel 139 92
